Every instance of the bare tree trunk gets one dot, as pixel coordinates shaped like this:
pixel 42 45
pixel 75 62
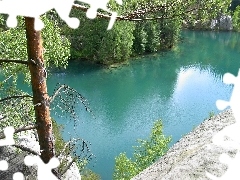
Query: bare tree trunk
pixel 39 89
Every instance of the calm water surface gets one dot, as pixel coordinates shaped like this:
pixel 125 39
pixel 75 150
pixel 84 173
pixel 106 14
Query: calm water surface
pixel 180 87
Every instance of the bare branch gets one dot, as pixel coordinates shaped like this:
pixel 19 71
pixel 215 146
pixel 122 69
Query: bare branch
pixel 51 99
pixel 5 80
pixel 24 148
pixel 15 97
pixel 25 128
pixel 2 117
pixel 66 145
pixel 13 61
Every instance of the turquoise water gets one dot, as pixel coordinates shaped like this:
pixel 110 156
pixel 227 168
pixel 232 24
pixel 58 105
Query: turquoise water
pixel 180 87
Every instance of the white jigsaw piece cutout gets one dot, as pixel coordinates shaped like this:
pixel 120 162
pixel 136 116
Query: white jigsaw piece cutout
pixel 44 170
pixel 8 132
pixel 100 4
pixel 232 131
pixel 36 8
pixel 3 165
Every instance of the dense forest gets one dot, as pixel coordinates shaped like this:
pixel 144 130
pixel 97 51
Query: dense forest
pixel 142 26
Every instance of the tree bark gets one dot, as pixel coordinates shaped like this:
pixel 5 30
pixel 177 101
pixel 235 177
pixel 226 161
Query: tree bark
pixel 39 89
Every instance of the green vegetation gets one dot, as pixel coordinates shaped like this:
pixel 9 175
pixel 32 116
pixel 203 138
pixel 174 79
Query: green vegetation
pixel 211 114
pixel 14 46
pixel 66 149
pixel 236 19
pixel 87 174
pixel 131 37
pixel 145 154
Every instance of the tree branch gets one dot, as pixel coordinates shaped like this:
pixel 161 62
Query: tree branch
pixel 2 117
pixel 13 61
pixel 133 16
pixel 129 17
pixel 25 128
pixel 5 80
pixel 15 97
pixel 51 99
pixel 24 148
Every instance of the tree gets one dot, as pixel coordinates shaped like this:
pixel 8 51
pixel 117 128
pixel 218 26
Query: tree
pixel 145 154
pixel 15 51
pixel 236 18
pixel 41 102
pixel 150 26
pixel 160 29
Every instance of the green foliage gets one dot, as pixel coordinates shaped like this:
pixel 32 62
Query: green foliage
pixel 13 45
pixel 211 114
pixel 66 149
pixel 129 38
pixel 236 19
pixel 145 154
pixel 140 40
pixel 125 168
pixel 59 142
pixel 57 47
pixel 89 175
pixel 19 111
pixel 92 40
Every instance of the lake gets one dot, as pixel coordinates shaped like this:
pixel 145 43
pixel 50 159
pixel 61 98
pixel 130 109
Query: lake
pixel 180 87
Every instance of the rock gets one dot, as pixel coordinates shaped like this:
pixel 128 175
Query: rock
pixel 224 22
pixel 29 139
pixel 194 154
pixel 16 160
pixel 73 172
pixel 15 164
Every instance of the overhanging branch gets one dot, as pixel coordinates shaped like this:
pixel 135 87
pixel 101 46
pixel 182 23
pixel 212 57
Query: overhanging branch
pixel 13 61
pixel 134 16
pixel 51 99
pixel 24 148
pixel 15 97
pixel 25 128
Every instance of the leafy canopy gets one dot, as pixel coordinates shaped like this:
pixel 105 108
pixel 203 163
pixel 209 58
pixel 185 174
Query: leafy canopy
pixel 131 37
pixel 13 46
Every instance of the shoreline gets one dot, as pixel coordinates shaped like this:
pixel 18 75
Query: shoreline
pixel 194 154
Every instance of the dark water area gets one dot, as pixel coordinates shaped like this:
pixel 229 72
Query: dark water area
pixel 180 87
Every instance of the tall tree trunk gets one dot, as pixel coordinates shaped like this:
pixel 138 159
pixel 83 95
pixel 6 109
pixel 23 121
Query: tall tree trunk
pixel 39 89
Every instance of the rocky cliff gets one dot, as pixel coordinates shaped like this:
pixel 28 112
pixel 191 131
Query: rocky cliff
pixel 194 154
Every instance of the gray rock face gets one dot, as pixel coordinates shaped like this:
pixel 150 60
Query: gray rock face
pixel 193 154
pixel 16 160
pixel 73 172
pixel 224 22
